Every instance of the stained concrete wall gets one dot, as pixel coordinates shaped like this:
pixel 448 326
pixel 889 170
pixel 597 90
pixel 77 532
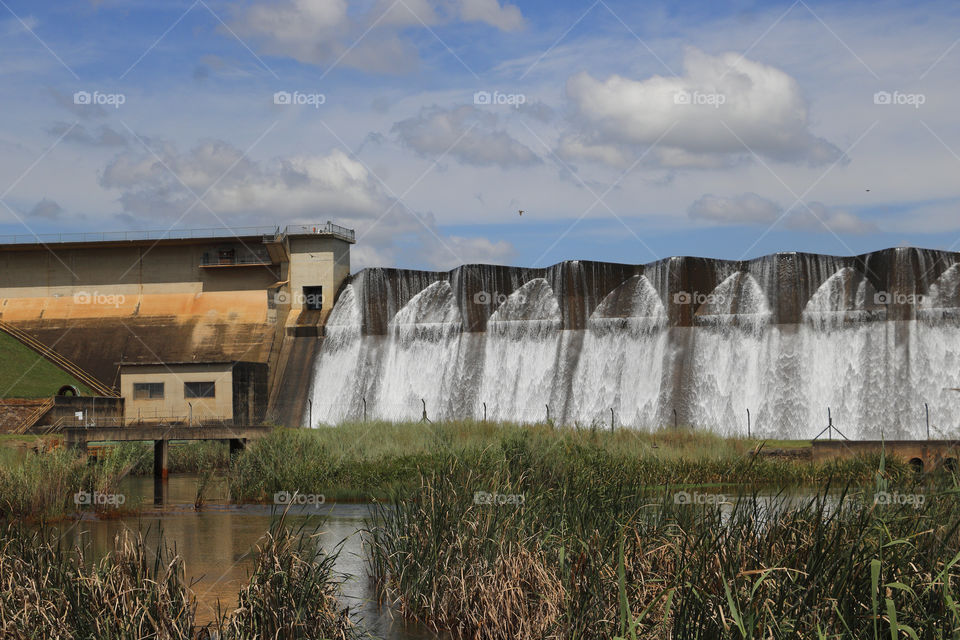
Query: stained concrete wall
pixel 102 303
pixel 317 260
pixel 174 403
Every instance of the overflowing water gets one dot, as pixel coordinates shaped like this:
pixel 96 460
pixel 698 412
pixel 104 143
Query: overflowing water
pixel 686 341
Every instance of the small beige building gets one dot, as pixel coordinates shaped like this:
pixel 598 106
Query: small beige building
pixel 194 392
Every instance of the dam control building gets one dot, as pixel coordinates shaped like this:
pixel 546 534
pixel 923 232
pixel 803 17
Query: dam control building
pixel 199 323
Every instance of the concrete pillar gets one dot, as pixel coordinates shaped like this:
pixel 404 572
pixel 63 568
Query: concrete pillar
pixel 236 446
pixel 161 450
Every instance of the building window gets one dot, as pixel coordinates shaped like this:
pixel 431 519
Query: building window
pixel 227 256
pixel 199 390
pixel 148 391
pixel 313 298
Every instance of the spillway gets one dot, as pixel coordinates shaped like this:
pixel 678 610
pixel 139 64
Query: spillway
pixel 689 341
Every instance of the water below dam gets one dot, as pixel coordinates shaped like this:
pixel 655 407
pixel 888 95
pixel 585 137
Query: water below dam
pixel 690 341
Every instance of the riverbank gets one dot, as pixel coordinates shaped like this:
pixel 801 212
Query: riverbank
pixel 376 461
pixel 523 532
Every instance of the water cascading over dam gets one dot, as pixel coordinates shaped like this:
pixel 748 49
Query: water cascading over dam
pixel 873 337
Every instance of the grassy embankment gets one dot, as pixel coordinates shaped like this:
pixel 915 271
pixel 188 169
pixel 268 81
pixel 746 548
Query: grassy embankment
pixel 25 374
pixel 371 460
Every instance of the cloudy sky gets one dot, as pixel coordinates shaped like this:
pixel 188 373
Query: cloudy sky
pixel 625 131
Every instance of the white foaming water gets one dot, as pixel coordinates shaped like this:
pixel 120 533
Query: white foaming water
pixel 733 365
pixel 335 393
pixel 620 365
pixel 843 355
pixel 846 352
pixel 520 355
pixel 420 360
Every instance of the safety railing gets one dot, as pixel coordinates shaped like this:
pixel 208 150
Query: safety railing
pixel 265 232
pixel 33 417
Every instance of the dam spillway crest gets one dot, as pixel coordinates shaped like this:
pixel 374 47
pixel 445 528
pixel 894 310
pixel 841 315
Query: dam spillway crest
pixel 873 337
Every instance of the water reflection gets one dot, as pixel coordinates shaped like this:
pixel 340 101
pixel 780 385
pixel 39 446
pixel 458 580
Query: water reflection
pixel 219 541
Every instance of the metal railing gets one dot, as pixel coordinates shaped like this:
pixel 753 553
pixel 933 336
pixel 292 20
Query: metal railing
pixel 179 234
pixel 91 422
pixel 329 228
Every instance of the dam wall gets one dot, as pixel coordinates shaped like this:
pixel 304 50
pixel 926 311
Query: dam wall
pixel 206 296
pixel 688 341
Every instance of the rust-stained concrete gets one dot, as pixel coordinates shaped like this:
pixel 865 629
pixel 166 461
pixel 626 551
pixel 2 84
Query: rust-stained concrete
pixel 174 300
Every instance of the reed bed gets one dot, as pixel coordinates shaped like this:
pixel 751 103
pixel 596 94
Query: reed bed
pixel 371 461
pixel 136 593
pixel 586 555
pixel 42 486
pixel 292 593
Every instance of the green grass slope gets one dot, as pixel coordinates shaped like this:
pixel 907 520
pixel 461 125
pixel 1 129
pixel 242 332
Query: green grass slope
pixel 25 374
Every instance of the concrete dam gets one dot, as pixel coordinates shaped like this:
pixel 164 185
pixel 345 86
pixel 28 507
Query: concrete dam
pixel 689 341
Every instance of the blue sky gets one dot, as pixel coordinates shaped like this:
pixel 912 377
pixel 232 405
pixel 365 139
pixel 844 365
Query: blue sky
pixel 626 131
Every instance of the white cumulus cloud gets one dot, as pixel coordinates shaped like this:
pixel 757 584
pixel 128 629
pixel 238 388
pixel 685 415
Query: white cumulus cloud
pixel 723 107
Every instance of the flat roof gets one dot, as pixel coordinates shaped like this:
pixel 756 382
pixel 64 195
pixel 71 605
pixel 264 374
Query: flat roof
pixel 174 236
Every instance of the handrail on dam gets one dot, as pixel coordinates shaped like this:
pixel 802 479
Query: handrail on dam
pixel 273 232
pixel 59 360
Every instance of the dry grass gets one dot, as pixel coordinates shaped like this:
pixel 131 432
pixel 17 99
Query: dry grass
pixel 596 557
pixel 135 593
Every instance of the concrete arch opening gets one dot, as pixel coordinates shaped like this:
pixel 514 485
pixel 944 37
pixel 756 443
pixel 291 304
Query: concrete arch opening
pixel 916 464
pixel 950 464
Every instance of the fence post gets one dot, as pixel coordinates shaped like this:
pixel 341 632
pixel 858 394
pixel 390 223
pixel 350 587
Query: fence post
pixel 364 400
pixel 927 409
pixel 424 417
pixel 675 425
pixel 484 411
pixel 310 413
pixel 748 425
pixel 611 419
pixel 829 425
pixel 548 412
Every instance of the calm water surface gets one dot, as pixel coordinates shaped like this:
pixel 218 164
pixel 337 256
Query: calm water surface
pixel 218 545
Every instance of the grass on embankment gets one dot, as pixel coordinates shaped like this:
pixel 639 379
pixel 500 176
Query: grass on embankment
pixel 25 374
pixel 370 460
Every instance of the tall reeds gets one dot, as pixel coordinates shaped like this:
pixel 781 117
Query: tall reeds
pixel 598 556
pixel 138 592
